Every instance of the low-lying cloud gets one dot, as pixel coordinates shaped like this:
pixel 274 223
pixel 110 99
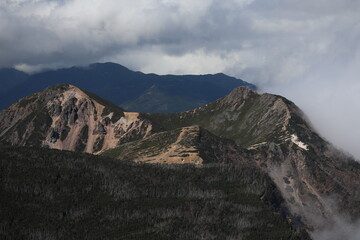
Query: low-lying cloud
pixel 307 50
pixel 337 226
pixel 340 229
pixel 330 96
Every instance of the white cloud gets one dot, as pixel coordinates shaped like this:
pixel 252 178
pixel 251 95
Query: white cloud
pixel 304 49
pixel 330 97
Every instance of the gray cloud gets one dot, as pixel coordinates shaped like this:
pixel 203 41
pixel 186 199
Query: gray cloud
pixel 338 226
pixel 340 229
pixel 306 50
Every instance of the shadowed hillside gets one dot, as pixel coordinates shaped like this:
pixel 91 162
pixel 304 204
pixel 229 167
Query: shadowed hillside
pixel 135 91
pixel 264 132
pixel 50 194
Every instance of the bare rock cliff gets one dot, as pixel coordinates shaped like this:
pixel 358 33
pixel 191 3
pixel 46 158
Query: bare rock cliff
pixel 65 117
pixel 318 182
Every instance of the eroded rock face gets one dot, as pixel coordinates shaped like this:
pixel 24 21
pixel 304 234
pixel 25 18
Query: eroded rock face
pixel 64 117
pixel 318 187
pixel 316 181
pixel 187 145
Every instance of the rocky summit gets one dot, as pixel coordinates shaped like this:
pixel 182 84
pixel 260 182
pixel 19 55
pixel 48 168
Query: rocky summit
pixel 317 182
pixel 67 118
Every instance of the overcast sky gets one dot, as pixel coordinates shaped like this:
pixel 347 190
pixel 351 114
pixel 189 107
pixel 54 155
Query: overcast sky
pixel 304 49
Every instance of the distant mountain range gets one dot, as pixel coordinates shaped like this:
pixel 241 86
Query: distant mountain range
pixel 134 91
pixel 263 132
pixel 10 78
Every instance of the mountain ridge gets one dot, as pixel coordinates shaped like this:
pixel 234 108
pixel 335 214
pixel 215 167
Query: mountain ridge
pixel 10 78
pixel 124 86
pixel 267 130
pixel 68 118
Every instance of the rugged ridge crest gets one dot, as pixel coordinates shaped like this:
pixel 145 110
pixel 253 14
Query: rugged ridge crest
pixel 67 118
pixel 317 181
pixel 268 131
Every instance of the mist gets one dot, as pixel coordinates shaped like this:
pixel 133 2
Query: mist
pixel 330 97
pixel 338 226
pixel 342 228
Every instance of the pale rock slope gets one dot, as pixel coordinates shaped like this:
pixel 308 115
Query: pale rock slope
pixel 318 182
pixel 186 145
pixel 65 117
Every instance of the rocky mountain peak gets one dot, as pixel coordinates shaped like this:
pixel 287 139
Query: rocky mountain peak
pixel 239 93
pixel 67 117
pixel 249 118
pixel 264 130
pixel 272 118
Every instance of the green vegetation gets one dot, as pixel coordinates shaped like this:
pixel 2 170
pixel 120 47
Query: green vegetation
pixel 38 119
pixel 42 122
pixel 65 133
pixel 152 145
pixel 118 112
pixel 83 137
pixel 58 87
pixel 49 194
pixel 157 101
pixel 25 101
pixel 240 120
pixel 99 143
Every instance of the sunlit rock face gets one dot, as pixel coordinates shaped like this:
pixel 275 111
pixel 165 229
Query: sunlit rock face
pixel 265 131
pixel 65 117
